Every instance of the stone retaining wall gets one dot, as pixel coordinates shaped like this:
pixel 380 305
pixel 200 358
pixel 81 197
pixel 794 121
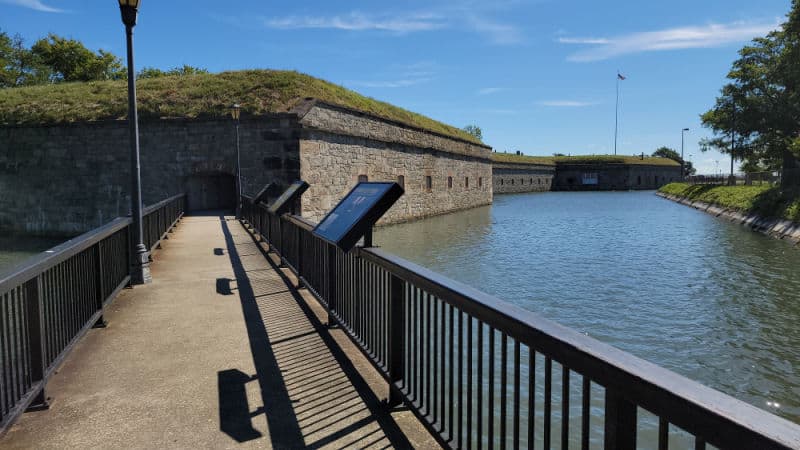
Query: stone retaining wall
pixel 777 228
pixel 611 177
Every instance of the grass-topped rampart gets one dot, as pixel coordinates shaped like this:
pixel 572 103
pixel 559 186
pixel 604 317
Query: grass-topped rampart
pixel 582 159
pixel 190 96
pixel 764 201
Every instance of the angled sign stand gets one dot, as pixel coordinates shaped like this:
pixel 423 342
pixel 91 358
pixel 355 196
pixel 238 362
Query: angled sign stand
pixel 286 202
pixel 355 215
pixel 261 196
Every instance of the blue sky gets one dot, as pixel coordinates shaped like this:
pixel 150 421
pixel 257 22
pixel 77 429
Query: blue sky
pixel 537 76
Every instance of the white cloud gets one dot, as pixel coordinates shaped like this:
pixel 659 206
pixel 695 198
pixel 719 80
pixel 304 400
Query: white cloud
pixel 356 21
pixel 490 90
pixel 704 36
pixel 498 33
pixel 438 19
pixel 33 4
pixel 565 103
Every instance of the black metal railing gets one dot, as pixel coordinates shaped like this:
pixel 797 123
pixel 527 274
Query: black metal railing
pixel 482 373
pixel 49 302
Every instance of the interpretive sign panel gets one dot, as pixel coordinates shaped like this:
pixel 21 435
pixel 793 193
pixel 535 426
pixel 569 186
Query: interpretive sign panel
pixel 357 213
pixel 285 202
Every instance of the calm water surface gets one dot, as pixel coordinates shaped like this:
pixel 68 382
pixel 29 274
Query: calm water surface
pixel 706 298
pixel 15 249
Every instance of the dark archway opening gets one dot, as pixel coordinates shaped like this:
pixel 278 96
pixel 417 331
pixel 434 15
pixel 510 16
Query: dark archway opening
pixel 211 192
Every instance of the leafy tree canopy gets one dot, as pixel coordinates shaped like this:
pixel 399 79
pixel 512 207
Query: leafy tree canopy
pixel 666 152
pixel 56 59
pixel 757 115
pixel 475 131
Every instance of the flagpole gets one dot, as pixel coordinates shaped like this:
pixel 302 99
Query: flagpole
pixel 616 117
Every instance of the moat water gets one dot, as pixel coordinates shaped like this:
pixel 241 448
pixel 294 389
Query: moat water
pixel 703 297
pixel 15 249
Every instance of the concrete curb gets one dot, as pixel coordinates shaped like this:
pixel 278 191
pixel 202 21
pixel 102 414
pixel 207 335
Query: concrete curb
pixel 777 228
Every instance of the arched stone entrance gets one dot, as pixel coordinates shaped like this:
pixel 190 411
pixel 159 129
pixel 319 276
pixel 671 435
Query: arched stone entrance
pixel 215 191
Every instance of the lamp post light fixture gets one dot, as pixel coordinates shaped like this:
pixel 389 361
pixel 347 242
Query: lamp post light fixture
pixel 140 269
pixel 683 164
pixel 236 111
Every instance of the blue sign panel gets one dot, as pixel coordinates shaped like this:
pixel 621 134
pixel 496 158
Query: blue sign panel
pixel 285 202
pixel 357 213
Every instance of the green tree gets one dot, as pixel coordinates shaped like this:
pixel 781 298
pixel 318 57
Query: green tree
pixel 666 152
pixel 475 131
pixel 18 65
pixel 152 72
pixel 757 115
pixel 70 60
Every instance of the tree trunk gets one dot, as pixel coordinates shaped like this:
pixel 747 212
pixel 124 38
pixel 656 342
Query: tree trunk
pixel 790 178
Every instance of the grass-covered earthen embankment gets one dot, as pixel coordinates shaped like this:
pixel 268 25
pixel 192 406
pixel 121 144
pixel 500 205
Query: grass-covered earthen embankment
pixel 764 201
pixel 200 95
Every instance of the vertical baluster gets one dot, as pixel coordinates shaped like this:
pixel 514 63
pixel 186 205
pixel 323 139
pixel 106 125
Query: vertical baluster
pixel 620 422
pixel 470 349
pixel 460 377
pixel 396 339
pixel 435 360
pixel 491 418
pixel 516 392
pixel 699 443
pixel 564 407
pixel 479 406
pixel 531 397
pixel 4 401
pixel 443 370
pixel 663 434
pixel 503 389
pixel 33 290
pixel 451 372
pixel 548 385
pixel 585 411
pixel 428 352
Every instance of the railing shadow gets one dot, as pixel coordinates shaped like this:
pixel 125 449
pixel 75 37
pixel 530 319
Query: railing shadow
pixel 312 393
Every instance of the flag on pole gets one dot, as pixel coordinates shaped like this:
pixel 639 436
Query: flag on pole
pixel 620 76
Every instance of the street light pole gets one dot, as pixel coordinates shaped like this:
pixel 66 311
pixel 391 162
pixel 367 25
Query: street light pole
pixel 683 164
pixel 236 113
pixel 140 268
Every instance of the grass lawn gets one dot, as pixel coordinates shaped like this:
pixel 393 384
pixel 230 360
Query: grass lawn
pixel 204 95
pixel 766 201
pixel 582 159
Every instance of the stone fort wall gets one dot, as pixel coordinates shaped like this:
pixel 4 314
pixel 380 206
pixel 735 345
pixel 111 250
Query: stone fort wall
pixel 570 177
pixel 511 178
pixel 69 178
pixel 439 174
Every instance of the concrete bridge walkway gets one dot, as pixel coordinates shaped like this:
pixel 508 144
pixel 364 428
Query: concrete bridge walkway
pixel 220 351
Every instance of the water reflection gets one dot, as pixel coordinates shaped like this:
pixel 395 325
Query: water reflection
pixel 693 293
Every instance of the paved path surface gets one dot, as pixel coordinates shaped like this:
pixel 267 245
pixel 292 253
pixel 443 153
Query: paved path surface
pixel 218 352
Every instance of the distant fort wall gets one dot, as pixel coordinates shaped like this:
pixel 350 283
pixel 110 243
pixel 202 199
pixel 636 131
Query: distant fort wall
pixel 508 178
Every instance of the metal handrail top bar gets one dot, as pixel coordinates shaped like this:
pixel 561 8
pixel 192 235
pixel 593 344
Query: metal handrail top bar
pixel 649 385
pixel 151 208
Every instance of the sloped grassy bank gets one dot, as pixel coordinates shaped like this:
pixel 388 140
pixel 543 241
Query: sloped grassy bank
pixel 763 208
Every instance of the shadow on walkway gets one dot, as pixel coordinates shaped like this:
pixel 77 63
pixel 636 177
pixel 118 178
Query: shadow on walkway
pixel 313 396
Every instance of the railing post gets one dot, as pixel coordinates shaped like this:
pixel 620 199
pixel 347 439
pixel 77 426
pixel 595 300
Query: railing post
pixel 299 262
pixel 620 422
pixel 331 284
pixel 33 299
pixel 99 284
pixel 396 339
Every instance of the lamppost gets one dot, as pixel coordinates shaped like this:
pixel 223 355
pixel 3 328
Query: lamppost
pixel 140 270
pixel 236 111
pixel 683 168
